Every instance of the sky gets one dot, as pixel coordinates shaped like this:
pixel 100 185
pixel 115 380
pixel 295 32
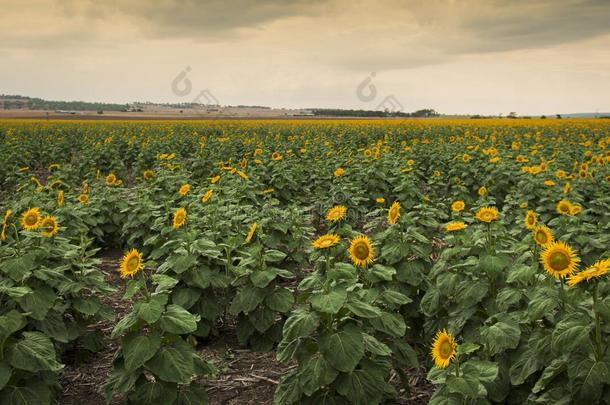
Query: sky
pixel 456 56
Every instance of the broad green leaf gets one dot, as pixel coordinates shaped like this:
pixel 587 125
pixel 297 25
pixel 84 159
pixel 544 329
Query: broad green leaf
pixel 137 350
pixel 362 309
pixel 374 346
pixel 280 300
pixel 150 311
pixel 178 320
pixel 329 303
pixel 501 336
pixel 34 352
pixel 343 349
pixel 301 323
pixel 173 363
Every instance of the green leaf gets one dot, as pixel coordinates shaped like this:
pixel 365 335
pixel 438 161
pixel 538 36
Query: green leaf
pixel 150 311
pixel 124 325
pixel 343 271
pixel 178 320
pixel 554 369
pixel 88 306
pixel 164 282
pixel 173 363
pixel 5 374
pixel 501 336
pixel 361 387
pixel 374 346
pixel 192 396
pixel 262 278
pixel 35 393
pixel 380 273
pixel 343 349
pixel 132 287
pixel 394 297
pixel 301 323
pixel 316 373
pixel 390 324
pixel 288 391
pixel 272 256
pixel 39 302
pixel 329 303
pixel 280 300
pixel 570 334
pixel 430 302
pixel 466 385
pixel 411 272
pixel 247 299
pixel 183 263
pixel 363 309
pixel 137 350
pixel 35 352
pixel 154 393
pixel 10 323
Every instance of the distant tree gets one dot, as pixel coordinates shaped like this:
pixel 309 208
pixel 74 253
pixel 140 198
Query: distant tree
pixel 558 116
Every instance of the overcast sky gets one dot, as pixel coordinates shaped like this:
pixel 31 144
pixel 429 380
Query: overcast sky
pixel 457 56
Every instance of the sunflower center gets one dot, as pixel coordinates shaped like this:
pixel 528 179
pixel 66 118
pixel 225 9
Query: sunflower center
pixel 559 261
pixel 31 219
pixel 133 263
pixel 541 237
pixel 361 251
pixel 445 349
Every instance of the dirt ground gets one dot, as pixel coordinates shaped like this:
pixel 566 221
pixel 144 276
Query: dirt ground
pixel 244 377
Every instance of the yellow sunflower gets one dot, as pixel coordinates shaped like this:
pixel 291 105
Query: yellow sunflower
pixel 543 235
pixel 251 233
pixel 214 179
pixel 131 264
pixel 523 205
pixel 148 174
pixel 482 191
pixel 30 220
pixel 444 349
pixel 458 206
pixel 380 200
pixel 575 210
pixel 531 219
pixel 361 251
pixel 179 218
pixel 394 213
pixel 455 226
pixel 326 241
pixel 60 198
pixel 49 226
pixel 336 213
pixel 559 260
pixel 207 196
pixel 276 156
pixel 566 188
pixel 184 189
pixel 367 153
pixel 564 207
pixel 487 214
pixel 83 198
pixel 598 269
pixel 7 215
pixel 339 172
pixel 110 179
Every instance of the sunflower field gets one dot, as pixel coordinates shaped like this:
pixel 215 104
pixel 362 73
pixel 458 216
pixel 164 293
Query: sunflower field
pixel 361 253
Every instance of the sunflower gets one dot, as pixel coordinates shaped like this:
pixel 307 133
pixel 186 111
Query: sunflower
pixel 179 218
pixel 531 219
pixel 214 179
pixel 30 220
pixel 60 198
pixel 7 215
pixel 251 233
pixel 380 200
pixel 184 189
pixel 566 188
pixel 367 153
pixel 336 213
pixel 482 191
pixel 131 264
pixel 361 251
pixel 455 226
pixel 444 349
pixel 543 235
pixel 243 175
pixel 487 214
pixel 49 226
pixel 207 196
pixel 268 190
pixel 110 179
pixel 326 241
pixel 564 207
pixel 339 172
pixel 458 206
pixel 466 158
pixel 276 156
pixel 83 198
pixel 559 259
pixel 148 174
pixel 598 269
pixel 394 213
pixel 523 205
pixel 575 210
